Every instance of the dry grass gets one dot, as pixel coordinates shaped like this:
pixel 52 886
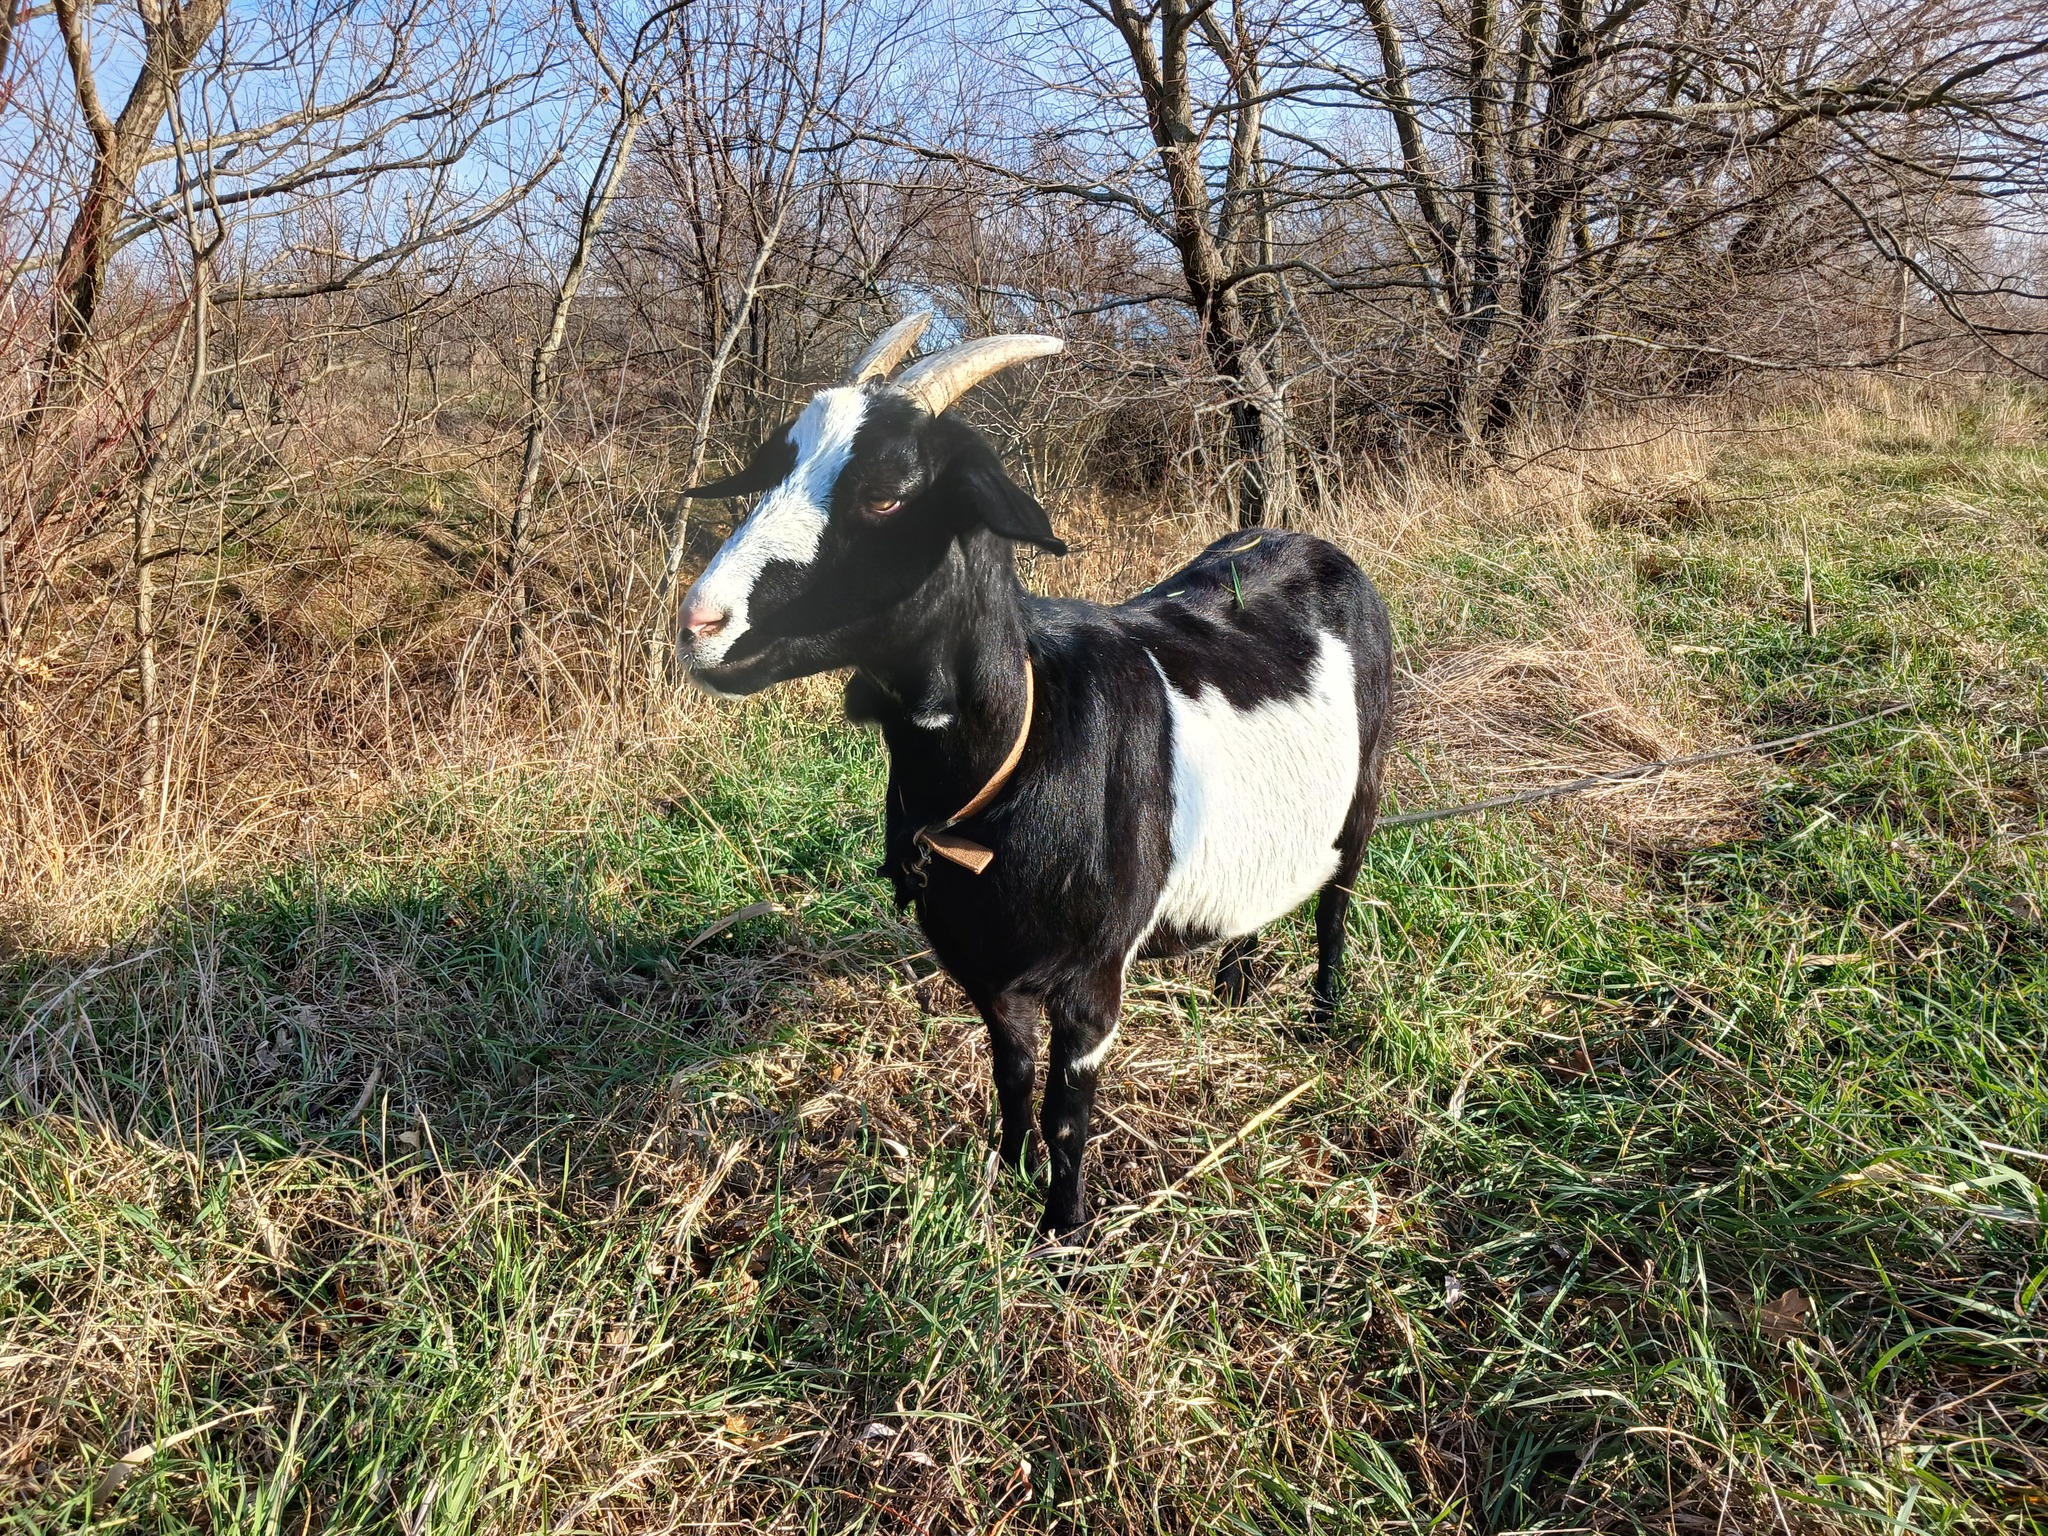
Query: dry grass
pixel 331 666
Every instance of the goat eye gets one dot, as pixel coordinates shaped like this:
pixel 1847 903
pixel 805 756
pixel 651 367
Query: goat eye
pixel 878 507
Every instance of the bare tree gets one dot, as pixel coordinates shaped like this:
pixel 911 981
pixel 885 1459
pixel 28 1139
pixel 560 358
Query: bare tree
pixel 735 164
pixel 629 85
pixel 172 37
pixel 1200 85
pixel 1574 183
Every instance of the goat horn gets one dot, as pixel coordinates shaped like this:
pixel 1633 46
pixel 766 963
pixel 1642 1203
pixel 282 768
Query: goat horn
pixel 935 382
pixel 890 348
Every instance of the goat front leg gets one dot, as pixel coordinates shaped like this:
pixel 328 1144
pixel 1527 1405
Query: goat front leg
pixel 1084 1013
pixel 1012 1019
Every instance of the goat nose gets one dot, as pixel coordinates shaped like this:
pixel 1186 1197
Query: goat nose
pixel 701 621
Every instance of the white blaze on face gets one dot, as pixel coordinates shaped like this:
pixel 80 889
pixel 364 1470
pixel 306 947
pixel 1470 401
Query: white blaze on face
pixel 787 524
pixel 1259 796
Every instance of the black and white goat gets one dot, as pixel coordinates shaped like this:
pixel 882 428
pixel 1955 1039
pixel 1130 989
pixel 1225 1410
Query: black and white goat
pixel 1194 763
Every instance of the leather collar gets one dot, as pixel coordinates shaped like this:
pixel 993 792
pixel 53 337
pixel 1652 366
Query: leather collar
pixel 968 854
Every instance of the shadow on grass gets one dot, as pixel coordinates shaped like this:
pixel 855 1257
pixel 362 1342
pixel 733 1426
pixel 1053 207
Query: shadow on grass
pixel 499 975
pixel 441 1178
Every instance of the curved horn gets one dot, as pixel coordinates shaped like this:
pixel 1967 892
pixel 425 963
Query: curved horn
pixel 890 348
pixel 935 382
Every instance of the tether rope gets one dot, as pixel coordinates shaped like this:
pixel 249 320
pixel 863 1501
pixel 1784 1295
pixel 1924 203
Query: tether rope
pixel 1636 775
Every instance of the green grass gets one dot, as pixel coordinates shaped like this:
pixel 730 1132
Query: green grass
pixel 442 1186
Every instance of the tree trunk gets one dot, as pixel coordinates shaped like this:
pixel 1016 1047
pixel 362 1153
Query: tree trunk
pixel 1549 219
pixel 1488 198
pixel 1905 296
pixel 540 383
pixel 145 558
pixel 1444 269
pixel 172 38
pixel 10 16
pixel 1258 410
pixel 1265 492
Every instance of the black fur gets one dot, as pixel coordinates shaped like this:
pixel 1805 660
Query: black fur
pixel 925 607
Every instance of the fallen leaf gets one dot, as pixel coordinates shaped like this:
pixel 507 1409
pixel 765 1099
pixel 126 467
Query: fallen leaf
pixel 1785 1318
pixel 744 1289
pixel 271 1239
pixel 1658 564
pixel 1576 1063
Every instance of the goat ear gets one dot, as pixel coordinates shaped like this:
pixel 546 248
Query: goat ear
pixel 978 478
pixel 770 464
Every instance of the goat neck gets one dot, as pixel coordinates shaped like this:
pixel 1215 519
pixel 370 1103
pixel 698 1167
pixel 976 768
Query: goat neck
pixel 947 688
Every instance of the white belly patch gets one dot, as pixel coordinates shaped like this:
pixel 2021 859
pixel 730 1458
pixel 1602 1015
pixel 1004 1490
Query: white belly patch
pixel 1259 796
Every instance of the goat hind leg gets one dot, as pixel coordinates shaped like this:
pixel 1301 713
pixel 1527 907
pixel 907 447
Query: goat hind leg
pixel 1234 970
pixel 1333 906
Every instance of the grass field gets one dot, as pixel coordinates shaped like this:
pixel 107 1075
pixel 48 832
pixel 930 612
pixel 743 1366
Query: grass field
pixel 1677 1162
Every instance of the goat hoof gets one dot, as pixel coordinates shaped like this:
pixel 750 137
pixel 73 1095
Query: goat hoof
pixel 1068 1228
pixel 1057 1245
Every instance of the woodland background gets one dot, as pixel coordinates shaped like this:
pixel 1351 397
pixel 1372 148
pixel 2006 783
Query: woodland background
pixel 351 355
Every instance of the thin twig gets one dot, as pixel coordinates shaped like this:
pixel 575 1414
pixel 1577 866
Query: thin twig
pixel 1806 583
pixel 1161 1196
